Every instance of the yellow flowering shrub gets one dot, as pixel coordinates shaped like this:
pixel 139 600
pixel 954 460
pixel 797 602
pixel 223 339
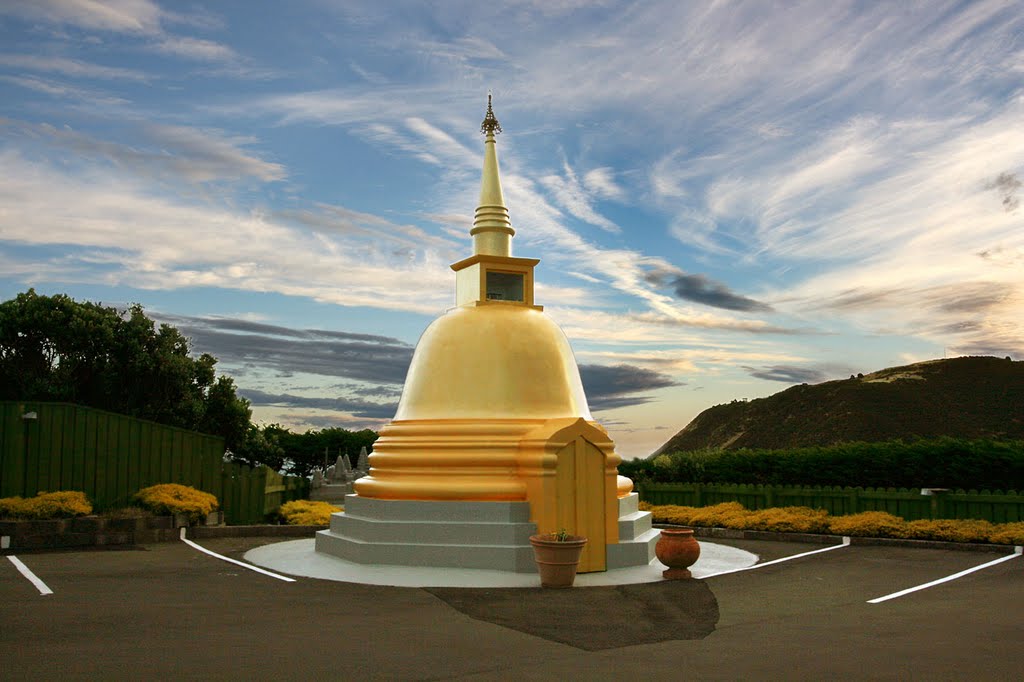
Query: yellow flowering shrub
pixel 716 515
pixel 172 498
pixel 63 504
pixel 1008 533
pixel 875 524
pixel 734 515
pixel 806 520
pixel 307 512
pixel 950 530
pixel 788 520
pixel 9 506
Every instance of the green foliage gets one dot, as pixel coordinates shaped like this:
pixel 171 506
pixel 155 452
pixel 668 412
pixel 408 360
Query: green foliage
pixel 305 451
pixel 55 348
pixel 261 446
pixel 299 453
pixel 938 463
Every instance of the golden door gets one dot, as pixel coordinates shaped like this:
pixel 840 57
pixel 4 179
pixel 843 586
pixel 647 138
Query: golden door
pixel 580 476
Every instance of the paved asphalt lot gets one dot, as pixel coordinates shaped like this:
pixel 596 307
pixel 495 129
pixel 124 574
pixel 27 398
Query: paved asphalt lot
pixel 167 611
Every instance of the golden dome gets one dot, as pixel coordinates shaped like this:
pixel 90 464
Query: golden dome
pixel 493 361
pixel 485 376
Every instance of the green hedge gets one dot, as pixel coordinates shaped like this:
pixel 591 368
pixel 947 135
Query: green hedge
pixel 940 463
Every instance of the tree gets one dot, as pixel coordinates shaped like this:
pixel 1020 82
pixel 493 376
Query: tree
pixel 56 348
pixel 306 451
pixel 261 445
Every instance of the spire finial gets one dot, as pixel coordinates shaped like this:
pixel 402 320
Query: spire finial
pixel 490 126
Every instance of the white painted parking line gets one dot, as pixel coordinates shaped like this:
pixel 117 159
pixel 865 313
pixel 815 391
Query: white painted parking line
pixel 878 600
pixel 233 561
pixel 32 578
pixel 845 543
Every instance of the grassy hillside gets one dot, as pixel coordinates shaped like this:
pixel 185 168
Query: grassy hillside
pixel 973 397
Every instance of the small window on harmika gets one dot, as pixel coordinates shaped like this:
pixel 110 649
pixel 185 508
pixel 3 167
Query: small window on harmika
pixel 504 286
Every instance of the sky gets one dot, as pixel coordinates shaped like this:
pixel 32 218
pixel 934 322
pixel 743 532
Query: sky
pixel 727 198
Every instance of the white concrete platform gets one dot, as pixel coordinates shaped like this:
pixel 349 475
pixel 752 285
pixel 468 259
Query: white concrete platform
pixel 476 535
pixel 299 557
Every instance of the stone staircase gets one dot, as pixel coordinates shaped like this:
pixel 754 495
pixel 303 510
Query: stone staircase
pixel 478 535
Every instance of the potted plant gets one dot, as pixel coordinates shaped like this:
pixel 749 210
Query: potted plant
pixel 557 556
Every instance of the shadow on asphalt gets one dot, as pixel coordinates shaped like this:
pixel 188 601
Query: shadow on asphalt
pixel 595 618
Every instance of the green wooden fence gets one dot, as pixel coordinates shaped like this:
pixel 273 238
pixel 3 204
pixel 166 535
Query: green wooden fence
pixel 109 457
pixel 910 504
pixel 250 494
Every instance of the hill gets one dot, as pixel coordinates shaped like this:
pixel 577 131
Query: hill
pixel 970 397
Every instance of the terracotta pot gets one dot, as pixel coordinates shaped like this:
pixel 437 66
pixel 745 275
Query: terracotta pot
pixel 677 549
pixel 557 560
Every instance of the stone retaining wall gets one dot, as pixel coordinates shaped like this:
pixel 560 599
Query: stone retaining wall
pixel 98 531
pixel 85 531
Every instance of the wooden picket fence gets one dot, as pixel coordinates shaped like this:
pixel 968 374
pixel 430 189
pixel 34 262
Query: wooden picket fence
pixel 911 504
pixel 59 446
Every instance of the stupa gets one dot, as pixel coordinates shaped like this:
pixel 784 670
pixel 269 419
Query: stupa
pixel 493 440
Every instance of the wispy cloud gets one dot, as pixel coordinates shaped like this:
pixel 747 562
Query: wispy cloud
pixel 101 210
pixel 963 316
pixel 131 16
pixel 194 48
pixel 340 220
pixel 193 154
pixel 63 90
pixel 574 197
pixel 142 19
pixel 601 183
pixel 462 49
pixel 71 67
pixel 696 356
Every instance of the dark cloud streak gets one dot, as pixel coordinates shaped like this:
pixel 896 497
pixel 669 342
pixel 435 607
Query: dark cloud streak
pixel 788 374
pixel 703 290
pixel 380 361
pixel 362 357
pixel 612 386
pixel 355 407
pixel 1007 185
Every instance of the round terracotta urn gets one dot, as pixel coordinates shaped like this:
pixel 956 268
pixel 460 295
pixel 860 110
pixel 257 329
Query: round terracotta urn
pixel 677 549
